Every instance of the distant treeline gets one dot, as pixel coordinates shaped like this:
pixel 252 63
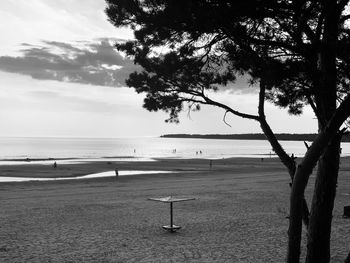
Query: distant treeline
pixel 252 136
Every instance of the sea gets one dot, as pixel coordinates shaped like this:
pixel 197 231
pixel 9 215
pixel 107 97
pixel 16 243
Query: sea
pixel 14 150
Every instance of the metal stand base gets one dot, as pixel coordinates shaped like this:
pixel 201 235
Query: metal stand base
pixel 172 228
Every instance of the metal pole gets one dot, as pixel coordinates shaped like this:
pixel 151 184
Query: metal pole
pixel 171 215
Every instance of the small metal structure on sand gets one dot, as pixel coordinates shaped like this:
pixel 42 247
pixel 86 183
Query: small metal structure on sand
pixel 171 200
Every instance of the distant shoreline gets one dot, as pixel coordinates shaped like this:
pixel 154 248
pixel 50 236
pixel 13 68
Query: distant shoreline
pixel 251 136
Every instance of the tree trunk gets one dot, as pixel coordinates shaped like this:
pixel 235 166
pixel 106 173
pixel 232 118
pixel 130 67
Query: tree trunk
pixel 295 213
pixel 303 171
pixel 347 260
pixel 319 230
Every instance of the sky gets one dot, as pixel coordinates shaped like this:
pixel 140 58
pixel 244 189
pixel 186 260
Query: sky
pixel 60 76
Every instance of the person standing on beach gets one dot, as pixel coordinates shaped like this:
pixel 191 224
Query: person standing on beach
pixel 54 165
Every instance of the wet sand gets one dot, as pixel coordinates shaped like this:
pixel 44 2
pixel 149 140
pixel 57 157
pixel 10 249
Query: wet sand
pixel 239 214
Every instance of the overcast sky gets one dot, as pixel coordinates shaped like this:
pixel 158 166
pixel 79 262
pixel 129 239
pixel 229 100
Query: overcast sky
pixel 60 76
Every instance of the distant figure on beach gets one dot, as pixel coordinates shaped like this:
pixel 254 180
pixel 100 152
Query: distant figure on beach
pixel 116 173
pixel 54 165
pixel 200 152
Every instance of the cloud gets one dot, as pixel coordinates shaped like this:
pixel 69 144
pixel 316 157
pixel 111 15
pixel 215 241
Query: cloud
pixel 95 63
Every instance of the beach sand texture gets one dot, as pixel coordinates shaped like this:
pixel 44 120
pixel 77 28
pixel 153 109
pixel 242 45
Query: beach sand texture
pixel 239 214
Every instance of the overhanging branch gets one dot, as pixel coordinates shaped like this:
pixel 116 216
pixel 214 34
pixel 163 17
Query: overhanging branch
pixel 229 109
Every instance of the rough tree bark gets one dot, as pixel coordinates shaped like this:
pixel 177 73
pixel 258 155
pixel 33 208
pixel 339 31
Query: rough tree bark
pixel 319 230
pixel 295 213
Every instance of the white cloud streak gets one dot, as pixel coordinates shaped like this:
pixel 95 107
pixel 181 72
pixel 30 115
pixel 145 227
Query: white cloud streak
pixel 95 63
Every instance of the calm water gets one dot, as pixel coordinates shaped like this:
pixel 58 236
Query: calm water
pixel 141 148
pixel 95 175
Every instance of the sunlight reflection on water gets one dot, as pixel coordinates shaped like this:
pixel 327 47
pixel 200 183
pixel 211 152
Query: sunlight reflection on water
pixel 75 161
pixel 94 175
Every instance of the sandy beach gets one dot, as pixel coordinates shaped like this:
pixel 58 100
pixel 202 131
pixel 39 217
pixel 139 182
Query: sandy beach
pixel 239 214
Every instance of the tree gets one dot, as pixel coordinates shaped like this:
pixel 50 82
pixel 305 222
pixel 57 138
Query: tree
pixel 297 52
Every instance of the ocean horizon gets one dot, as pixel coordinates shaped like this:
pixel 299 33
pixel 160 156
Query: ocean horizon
pixel 19 149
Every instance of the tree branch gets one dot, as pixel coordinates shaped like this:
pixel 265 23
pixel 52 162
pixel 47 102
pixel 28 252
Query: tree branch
pixel 224 119
pixel 227 108
pixel 344 18
pixel 276 146
pixel 313 106
pixel 276 44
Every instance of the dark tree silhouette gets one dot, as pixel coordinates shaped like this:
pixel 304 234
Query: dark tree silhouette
pixel 296 52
